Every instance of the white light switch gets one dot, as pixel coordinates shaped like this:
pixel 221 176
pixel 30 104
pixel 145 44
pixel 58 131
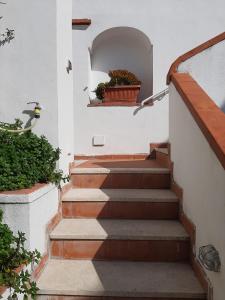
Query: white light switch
pixel 98 140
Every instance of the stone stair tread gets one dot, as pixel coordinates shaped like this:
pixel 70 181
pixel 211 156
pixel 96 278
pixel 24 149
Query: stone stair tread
pixel 102 229
pixel 134 195
pixel 119 279
pixel 114 170
pixel 117 163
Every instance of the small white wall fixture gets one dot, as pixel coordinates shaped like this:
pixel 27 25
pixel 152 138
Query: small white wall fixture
pixel 121 48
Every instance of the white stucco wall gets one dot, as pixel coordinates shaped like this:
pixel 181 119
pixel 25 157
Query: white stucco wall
pixel 65 83
pixel 208 69
pixel 30 213
pixel 173 27
pixel 29 63
pixel 33 68
pixel 6 294
pixel 198 171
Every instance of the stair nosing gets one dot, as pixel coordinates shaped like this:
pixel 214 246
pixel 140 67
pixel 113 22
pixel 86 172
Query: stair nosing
pixel 123 294
pixel 136 234
pixel 117 238
pixel 122 195
pixel 77 170
pixel 126 200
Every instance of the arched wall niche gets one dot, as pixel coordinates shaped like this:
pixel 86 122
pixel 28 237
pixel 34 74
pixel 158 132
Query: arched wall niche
pixel 121 48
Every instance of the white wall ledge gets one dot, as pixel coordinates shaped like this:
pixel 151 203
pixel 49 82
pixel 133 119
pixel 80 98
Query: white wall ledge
pixel 30 211
pixel 15 197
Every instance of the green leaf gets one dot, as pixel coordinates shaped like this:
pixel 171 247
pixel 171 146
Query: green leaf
pixel 12 255
pixel 26 159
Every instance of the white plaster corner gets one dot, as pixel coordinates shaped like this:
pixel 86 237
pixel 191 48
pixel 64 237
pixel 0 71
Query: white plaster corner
pixel 26 198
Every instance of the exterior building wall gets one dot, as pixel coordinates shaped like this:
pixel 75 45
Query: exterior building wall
pixel 29 64
pixel 208 69
pixel 65 83
pixel 33 68
pixel 173 27
pixel 198 171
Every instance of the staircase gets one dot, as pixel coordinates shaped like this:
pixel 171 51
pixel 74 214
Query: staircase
pixel 120 237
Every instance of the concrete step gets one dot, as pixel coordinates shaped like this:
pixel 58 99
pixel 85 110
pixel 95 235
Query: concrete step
pixel 117 170
pixel 92 229
pixel 121 174
pixel 120 240
pixel 86 279
pixel 120 203
pixel 120 195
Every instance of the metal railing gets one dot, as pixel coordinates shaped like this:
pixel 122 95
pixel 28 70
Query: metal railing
pixel 156 97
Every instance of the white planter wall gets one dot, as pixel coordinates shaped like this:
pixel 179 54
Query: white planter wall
pixel 173 27
pixel 198 171
pixel 30 213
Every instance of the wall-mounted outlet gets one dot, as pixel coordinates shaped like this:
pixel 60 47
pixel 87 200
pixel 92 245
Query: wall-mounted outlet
pixel 98 140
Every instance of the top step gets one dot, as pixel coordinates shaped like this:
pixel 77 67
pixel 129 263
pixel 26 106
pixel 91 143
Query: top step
pixel 122 174
pixel 118 166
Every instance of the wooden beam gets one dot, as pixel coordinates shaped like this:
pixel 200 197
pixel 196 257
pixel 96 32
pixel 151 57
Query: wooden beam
pixel 80 22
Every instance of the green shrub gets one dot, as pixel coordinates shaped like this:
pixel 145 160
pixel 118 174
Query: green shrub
pixel 117 77
pixel 26 159
pixel 12 256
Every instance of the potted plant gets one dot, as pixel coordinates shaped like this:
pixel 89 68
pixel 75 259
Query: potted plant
pixel 123 86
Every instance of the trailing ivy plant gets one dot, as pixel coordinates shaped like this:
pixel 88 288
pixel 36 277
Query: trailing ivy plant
pixel 27 159
pixel 13 255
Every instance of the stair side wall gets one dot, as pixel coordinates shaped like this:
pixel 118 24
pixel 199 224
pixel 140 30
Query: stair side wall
pixel 202 177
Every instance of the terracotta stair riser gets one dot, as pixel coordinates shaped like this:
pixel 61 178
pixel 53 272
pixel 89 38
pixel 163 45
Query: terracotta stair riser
pixel 46 297
pixel 132 250
pixel 163 159
pixel 121 210
pixel 121 181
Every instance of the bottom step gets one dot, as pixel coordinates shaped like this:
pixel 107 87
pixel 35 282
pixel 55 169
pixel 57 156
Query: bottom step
pixel 122 280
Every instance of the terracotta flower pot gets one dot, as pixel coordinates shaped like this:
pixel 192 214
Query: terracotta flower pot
pixel 127 93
